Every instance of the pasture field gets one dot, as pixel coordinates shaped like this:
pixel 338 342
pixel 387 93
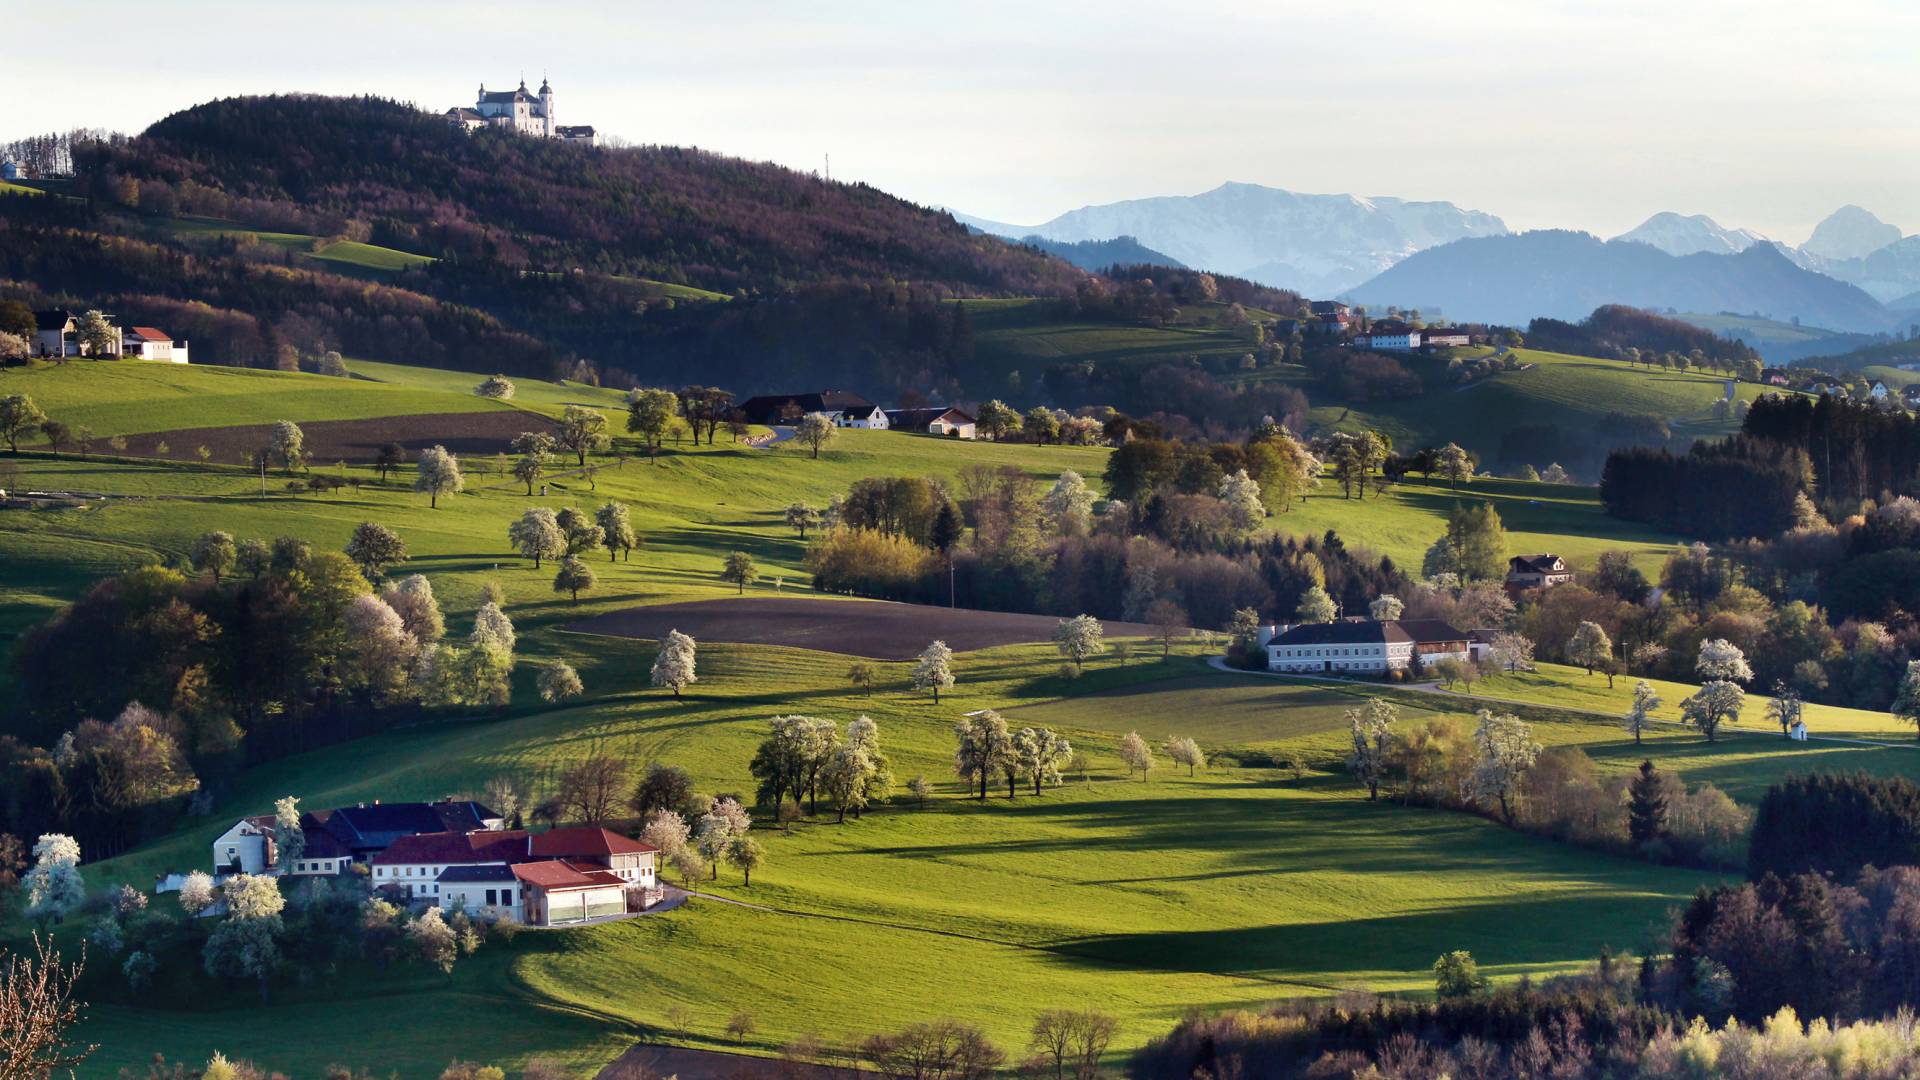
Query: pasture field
pixel 122 397
pixel 1231 887
pixel 1571 393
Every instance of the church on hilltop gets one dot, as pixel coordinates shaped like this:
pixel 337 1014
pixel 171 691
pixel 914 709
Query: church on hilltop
pixel 519 111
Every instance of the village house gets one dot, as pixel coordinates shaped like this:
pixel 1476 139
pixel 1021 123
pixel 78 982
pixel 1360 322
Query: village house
pixel 933 421
pixel 561 875
pixel 1389 334
pixel 411 866
pixel 1877 390
pixel 843 408
pixel 1537 572
pixel 1445 337
pixel 1356 646
pixel 1331 318
pixel 57 333
pixel 147 343
pixel 337 838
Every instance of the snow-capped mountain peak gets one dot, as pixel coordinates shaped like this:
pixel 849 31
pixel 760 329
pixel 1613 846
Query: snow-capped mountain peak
pixel 1690 234
pixel 1849 233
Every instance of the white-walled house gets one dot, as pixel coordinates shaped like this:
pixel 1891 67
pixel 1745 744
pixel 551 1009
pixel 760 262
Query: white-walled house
pixel 1362 646
pixel 557 893
pixel 333 840
pixel 480 888
pixel 412 865
pixel 1537 571
pixel 842 407
pixel 950 423
pixel 147 343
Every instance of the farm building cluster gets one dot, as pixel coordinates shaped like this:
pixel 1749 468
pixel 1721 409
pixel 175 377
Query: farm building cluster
pixel 1333 321
pixel 1380 647
pixel 849 410
pixel 59 333
pixel 454 854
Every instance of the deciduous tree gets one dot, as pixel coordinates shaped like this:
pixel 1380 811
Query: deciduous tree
pixel 19 418
pixel 214 553
pixel 558 681
pixel 673 665
pixel 1316 606
pixel 583 431
pixel 536 535
pixel 374 547
pixel 616 530
pixel 933 669
pixel 1137 754
pixel 1590 646
pixel 1079 639
pixel 739 570
pixel 1640 713
pixel 650 414
pixel 573 576
pixel 1371 728
pixel 497 387
pixel 438 473
pixel 815 431
pixel 1504 749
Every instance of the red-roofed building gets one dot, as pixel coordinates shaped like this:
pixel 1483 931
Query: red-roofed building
pixel 556 892
pixel 629 859
pixel 412 865
pixel 146 343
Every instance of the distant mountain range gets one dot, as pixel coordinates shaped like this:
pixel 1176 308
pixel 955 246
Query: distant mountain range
pixel 1565 275
pixel 1349 246
pixel 1316 244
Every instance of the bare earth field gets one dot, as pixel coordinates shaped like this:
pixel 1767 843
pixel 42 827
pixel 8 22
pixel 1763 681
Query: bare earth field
pixel 646 1062
pixel 355 441
pixel 876 629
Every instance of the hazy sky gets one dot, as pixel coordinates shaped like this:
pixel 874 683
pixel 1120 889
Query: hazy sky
pixel 1759 113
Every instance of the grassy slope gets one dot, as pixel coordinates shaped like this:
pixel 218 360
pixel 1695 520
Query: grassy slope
pixel 1570 392
pixel 126 396
pixel 1233 887
pixel 1562 518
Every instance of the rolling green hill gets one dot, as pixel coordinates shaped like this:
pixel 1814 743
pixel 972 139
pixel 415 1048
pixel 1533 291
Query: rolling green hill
pixel 1568 392
pixel 1233 887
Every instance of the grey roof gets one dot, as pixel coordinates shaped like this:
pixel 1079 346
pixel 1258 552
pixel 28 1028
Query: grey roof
pixel 1370 632
pixel 375 826
pixel 919 419
pixel 763 406
pixel 483 872
pixel 1536 564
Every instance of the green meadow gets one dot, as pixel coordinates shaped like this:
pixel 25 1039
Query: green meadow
pixel 1235 886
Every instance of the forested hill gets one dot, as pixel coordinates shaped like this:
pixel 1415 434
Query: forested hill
pixel 372 169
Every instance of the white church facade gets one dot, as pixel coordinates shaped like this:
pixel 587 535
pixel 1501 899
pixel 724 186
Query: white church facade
pixel 520 111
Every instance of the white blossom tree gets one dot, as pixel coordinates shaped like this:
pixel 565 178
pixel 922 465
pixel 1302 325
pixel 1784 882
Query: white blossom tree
pixel 289 837
pixel 717 828
pixel 536 535
pixel 412 599
pixel 673 665
pixel 1137 754
pixel 815 431
pixel 1513 651
pixel 669 832
pixel 252 896
pixel 1504 749
pixel 1371 728
pixel 53 884
pixel 1590 646
pixel 1316 606
pixel 1640 713
pixel 379 653
pixel 432 942
pixel 558 681
pixel 933 670
pixel 492 627
pixel 1070 504
pixel 1079 639
pixel 438 473
pixel 1184 751
pixel 197 893
pixel 1386 607
pixel 1722 659
pixel 1240 494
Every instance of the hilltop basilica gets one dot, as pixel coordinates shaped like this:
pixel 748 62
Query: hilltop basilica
pixel 519 111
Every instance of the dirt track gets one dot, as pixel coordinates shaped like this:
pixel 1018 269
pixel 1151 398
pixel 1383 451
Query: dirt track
pixel 875 629
pixel 356 441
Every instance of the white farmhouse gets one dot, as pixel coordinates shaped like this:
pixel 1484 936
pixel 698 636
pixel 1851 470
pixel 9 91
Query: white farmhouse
pixel 1362 646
